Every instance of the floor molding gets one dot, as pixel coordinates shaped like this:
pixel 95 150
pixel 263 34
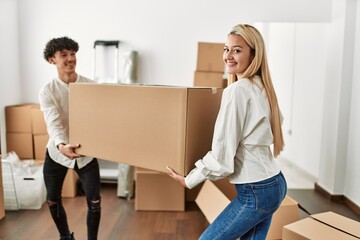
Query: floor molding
pixel 337 198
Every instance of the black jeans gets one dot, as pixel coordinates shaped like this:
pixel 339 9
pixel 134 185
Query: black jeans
pixel 54 175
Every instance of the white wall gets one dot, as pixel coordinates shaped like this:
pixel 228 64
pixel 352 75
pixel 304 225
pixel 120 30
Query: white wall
pixel 297 65
pixel 352 178
pixel 10 85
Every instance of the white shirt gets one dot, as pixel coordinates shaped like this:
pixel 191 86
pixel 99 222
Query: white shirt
pixel 242 138
pixel 54 102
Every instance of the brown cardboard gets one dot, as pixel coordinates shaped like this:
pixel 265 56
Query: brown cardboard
pixel 145 126
pixel 38 122
pixel 70 184
pixel 21 144
pixel 191 194
pixel 156 191
pixel 210 57
pixel 287 213
pixel 327 225
pixel 215 196
pixel 2 203
pixel 18 118
pixel 211 200
pixel 2 200
pixel 209 79
pixel 40 142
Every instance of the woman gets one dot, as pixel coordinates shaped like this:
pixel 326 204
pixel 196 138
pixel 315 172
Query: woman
pixel 248 123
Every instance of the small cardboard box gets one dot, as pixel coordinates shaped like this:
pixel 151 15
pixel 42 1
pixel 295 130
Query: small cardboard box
pixel 327 225
pixel 21 143
pixel 144 126
pixel 209 79
pixel 156 191
pixel 38 122
pixel 18 118
pixel 70 184
pixel 215 196
pixel 210 57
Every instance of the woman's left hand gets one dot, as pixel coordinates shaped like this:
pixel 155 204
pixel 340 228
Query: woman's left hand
pixel 179 178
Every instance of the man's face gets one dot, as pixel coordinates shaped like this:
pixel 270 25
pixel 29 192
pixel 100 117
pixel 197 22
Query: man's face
pixel 65 61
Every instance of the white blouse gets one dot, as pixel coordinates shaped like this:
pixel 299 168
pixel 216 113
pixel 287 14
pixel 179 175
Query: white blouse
pixel 242 138
pixel 54 102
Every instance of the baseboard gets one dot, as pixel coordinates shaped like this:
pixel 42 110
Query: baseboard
pixel 338 198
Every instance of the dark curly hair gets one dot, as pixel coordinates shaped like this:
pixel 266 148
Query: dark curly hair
pixel 59 44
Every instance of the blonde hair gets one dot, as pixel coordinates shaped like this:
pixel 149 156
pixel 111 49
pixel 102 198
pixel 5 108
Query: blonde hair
pixel 259 66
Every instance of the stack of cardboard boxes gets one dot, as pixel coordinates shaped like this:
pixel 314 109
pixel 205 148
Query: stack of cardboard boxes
pixel 27 136
pixel 210 66
pixel 19 135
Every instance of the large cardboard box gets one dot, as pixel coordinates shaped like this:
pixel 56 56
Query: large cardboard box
pixel 215 196
pixel 210 57
pixel 209 79
pixel 327 225
pixel 156 191
pixel 40 142
pixel 144 126
pixel 38 122
pixel 21 144
pixel 18 118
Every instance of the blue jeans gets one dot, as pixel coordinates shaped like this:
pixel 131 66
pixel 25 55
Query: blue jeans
pixel 249 215
pixel 54 175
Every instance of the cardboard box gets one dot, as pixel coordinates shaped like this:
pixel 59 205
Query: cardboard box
pixel 40 142
pixel 70 184
pixel 327 225
pixel 210 57
pixel 18 118
pixel 2 200
pixel 209 79
pixel 38 122
pixel 156 191
pixel 2 206
pixel 144 126
pixel 288 212
pixel 215 196
pixel 21 144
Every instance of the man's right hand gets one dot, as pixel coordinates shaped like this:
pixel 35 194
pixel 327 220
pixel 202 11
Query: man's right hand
pixel 69 150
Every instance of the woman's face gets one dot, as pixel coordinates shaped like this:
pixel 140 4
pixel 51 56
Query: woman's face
pixel 237 55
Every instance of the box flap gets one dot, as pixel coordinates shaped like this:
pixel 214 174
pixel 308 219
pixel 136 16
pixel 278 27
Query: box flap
pixel 339 222
pixel 211 201
pixel 310 228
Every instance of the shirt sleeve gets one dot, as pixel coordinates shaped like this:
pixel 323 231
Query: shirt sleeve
pixel 219 162
pixel 52 117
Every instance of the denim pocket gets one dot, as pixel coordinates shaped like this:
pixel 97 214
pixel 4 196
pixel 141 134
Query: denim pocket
pixel 267 195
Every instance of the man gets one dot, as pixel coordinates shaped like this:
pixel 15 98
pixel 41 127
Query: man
pixel 60 154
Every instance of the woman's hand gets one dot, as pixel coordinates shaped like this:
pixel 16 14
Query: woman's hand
pixel 69 150
pixel 179 178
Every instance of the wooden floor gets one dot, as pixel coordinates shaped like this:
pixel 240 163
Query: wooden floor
pixel 120 220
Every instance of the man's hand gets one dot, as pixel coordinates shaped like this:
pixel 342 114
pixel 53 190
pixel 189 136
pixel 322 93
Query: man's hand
pixel 69 150
pixel 179 178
